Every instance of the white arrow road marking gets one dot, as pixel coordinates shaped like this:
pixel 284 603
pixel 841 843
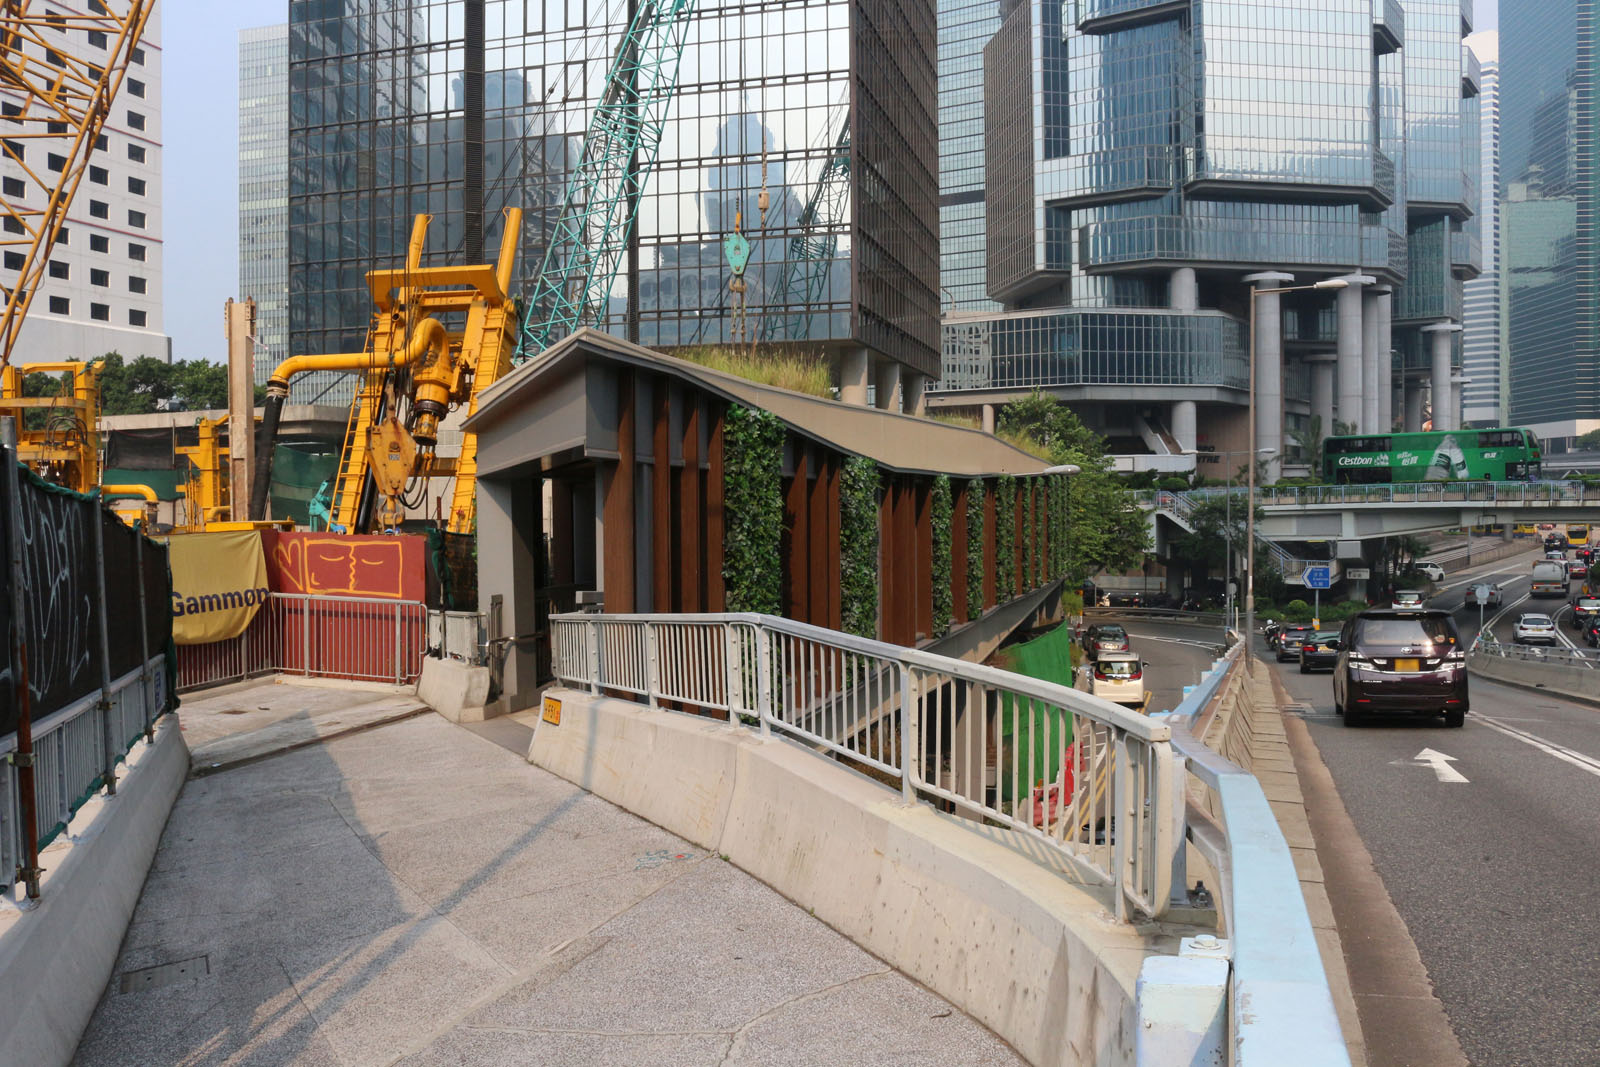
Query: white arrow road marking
pixel 1440 764
pixel 1566 755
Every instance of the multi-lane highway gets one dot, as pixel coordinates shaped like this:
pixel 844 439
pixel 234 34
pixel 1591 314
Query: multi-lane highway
pixel 1487 840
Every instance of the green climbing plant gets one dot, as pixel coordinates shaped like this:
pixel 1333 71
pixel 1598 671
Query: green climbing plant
pixel 974 548
pixel 943 595
pixel 752 568
pixel 858 546
pixel 1005 538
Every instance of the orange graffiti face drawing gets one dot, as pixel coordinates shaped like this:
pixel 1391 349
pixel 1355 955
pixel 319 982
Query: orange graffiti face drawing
pixel 341 566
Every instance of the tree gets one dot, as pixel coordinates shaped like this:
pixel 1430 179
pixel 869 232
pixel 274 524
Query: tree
pixel 1107 530
pixel 1309 443
pixel 138 388
pixel 1217 525
pixel 1590 441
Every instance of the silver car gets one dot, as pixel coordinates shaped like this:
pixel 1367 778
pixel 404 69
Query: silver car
pixel 1534 629
pixel 1495 596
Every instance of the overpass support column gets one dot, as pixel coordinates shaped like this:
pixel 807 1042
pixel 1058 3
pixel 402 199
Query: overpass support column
pixel 1322 369
pixel 1268 355
pixel 888 383
pixel 1385 380
pixel 1184 293
pixel 1183 424
pixel 1351 343
pixel 914 393
pixel 854 368
pixel 1446 411
pixel 1413 399
pixel 1374 372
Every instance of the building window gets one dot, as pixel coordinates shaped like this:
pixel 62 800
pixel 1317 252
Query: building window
pixel 97 38
pixel 55 162
pixel 136 317
pixel 55 127
pixel 136 219
pixel 52 57
pixel 15 187
pixel 136 87
pixel 98 175
pixel 101 278
pixel 100 143
pixel 12 224
pixel 60 305
pixel 100 312
pixel 59 269
pixel 14 260
pixel 99 242
pixel 136 153
pixel 14 150
pixel 135 120
pixel 136 186
pixel 99 209
pixel 136 284
pixel 11 113
pixel 61 238
pixel 56 22
pixel 137 55
pixel 136 251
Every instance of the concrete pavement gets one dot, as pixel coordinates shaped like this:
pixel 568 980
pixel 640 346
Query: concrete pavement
pixel 417 893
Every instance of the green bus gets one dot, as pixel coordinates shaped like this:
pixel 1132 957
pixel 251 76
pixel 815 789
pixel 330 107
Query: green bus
pixel 1498 455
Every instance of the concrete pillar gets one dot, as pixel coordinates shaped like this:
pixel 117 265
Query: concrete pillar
pixel 1269 367
pixel 1446 407
pixel 887 381
pixel 1372 347
pixel 1385 382
pixel 914 393
pixel 853 370
pixel 1322 368
pixel 1413 398
pixel 1349 342
pixel 1183 424
pixel 1185 293
pixel 988 418
pixel 510 526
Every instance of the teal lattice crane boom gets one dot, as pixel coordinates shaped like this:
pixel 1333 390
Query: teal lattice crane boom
pixel 598 214
pixel 812 250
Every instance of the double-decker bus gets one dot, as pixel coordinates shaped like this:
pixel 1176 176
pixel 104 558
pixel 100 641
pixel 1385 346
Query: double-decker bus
pixel 1507 454
pixel 1577 536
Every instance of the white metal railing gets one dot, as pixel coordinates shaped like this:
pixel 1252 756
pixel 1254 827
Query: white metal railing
pixel 1506 494
pixel 1182 504
pixel 1575 658
pixel 459 635
pixel 1280 1005
pixel 1091 778
pixel 369 639
pixel 73 750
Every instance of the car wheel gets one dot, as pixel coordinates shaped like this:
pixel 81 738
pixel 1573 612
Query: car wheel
pixel 1455 718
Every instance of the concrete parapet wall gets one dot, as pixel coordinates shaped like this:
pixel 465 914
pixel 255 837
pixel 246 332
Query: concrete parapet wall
pixel 56 958
pixel 1574 683
pixel 986 918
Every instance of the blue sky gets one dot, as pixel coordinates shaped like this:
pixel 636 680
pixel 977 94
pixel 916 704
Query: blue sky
pixel 200 117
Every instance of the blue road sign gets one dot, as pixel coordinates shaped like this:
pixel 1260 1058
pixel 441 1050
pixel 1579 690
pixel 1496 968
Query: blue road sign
pixel 1317 578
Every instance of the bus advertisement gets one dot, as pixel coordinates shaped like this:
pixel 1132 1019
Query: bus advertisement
pixel 1451 455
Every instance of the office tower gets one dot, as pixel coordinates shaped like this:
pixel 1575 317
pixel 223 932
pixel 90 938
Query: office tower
pixel 263 189
pixel 466 107
pixel 1548 215
pixel 1484 399
pixel 101 291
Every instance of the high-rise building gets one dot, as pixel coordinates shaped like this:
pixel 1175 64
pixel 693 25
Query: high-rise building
pixel 1148 165
pixel 101 291
pixel 965 26
pixel 1483 398
pixel 263 189
pixel 1550 214
pixel 470 106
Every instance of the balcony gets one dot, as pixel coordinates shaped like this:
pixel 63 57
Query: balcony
pixel 1109 16
pixel 1388 27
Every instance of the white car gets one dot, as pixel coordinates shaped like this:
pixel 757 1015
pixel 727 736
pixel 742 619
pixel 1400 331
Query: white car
pixel 1434 572
pixel 1493 600
pixel 1114 676
pixel 1408 598
pixel 1534 628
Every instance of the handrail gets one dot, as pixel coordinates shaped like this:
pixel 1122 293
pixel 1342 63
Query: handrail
pixel 1281 1006
pixel 1090 778
pixel 1561 494
pixel 1555 657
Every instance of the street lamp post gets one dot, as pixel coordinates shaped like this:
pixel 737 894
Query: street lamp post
pixel 1250 498
pixel 1227 528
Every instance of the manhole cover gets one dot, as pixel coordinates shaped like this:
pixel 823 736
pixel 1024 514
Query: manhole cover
pixel 165 974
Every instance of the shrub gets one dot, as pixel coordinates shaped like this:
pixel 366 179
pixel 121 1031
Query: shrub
pixel 975 548
pixel 752 565
pixel 1005 538
pixel 943 596
pixel 858 546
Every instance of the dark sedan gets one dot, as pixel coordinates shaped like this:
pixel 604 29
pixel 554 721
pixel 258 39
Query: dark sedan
pixel 1318 652
pixel 1290 640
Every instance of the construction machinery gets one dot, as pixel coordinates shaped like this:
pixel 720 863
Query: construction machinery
pixel 812 250
pixel 64 101
pixel 439 337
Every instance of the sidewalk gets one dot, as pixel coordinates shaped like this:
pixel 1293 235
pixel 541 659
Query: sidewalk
pixel 418 893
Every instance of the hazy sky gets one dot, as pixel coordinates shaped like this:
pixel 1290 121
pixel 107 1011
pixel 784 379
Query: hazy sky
pixel 200 120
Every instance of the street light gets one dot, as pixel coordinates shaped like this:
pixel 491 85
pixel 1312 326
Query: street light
pixel 1227 525
pixel 1250 510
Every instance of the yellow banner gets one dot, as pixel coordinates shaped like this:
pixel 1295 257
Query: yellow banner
pixel 218 582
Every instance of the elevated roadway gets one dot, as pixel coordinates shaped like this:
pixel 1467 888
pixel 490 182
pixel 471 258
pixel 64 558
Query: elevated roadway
pixel 1487 851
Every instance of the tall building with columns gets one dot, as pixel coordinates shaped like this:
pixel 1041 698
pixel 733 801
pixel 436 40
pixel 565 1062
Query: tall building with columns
pixel 1155 171
pixel 1483 357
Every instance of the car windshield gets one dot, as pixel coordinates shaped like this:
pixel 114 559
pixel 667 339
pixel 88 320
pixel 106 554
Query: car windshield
pixel 1110 633
pixel 1589 602
pixel 1405 631
pixel 1536 620
pixel 1408 598
pixel 1117 668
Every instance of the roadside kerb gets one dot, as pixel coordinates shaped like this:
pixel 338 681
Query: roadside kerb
pixel 1546 674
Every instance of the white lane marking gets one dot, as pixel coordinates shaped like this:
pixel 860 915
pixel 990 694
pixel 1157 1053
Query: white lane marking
pixel 1480 577
pixel 1175 640
pixel 1503 612
pixel 1441 766
pixel 1560 752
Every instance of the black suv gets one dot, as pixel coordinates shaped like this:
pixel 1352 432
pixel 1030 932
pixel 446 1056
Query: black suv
pixel 1397 660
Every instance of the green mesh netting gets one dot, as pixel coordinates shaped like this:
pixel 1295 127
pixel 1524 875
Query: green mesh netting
pixel 297 473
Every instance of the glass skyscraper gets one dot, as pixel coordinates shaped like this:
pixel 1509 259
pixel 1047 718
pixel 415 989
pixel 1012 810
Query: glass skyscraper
pixel 1549 213
pixel 263 188
pixel 463 107
pixel 1483 399
pixel 1146 163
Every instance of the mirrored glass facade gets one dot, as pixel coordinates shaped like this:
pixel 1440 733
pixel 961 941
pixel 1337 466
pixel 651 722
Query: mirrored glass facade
pixel 1549 208
pixel 1483 400
pixel 263 188
pixel 461 108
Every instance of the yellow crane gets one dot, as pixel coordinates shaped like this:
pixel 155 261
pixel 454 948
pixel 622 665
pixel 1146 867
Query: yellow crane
pixel 439 337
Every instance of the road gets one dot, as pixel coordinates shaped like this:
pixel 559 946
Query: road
pixel 1175 655
pixel 1490 855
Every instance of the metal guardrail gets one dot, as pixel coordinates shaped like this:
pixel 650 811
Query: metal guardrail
pixel 1281 1008
pixel 360 638
pixel 1506 494
pixel 73 750
pixel 1199 618
pixel 459 635
pixel 1182 504
pixel 1090 778
pixel 1576 658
